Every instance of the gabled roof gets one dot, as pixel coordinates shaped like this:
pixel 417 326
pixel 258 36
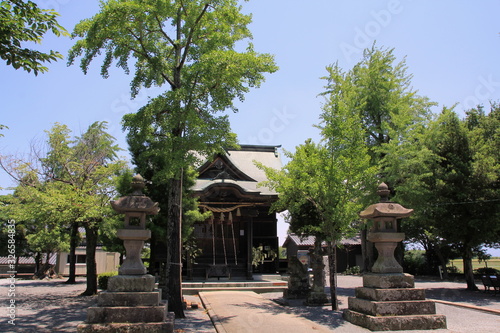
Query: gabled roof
pixel 237 167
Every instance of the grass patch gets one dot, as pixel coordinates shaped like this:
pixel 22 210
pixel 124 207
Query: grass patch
pixel 492 263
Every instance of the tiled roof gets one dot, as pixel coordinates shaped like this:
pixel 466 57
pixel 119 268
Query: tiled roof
pixel 244 160
pixel 30 260
pixel 309 240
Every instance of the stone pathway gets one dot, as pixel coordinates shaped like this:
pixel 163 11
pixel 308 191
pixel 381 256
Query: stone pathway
pixel 52 306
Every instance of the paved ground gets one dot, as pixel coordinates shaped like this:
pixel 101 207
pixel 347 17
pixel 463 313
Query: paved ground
pixel 52 306
pixel 470 312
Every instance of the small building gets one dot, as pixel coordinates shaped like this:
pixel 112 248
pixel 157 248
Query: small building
pixel 105 261
pixel 348 253
pixel 25 265
pixel 242 226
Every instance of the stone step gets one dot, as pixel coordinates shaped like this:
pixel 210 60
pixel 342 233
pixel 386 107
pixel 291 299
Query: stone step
pixel 396 323
pixel 109 298
pixel 233 284
pixel 392 308
pixel 124 314
pixel 258 287
pixel 160 327
pixel 395 294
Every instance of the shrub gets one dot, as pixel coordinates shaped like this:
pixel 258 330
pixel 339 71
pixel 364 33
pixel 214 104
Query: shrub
pixel 487 271
pixel 102 279
pixel 353 270
pixel 453 270
pixel 415 262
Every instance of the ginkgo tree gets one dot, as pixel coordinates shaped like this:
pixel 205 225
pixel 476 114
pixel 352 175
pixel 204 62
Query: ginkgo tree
pixel 198 51
pixel 325 185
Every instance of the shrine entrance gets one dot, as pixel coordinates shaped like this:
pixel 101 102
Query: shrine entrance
pixel 241 223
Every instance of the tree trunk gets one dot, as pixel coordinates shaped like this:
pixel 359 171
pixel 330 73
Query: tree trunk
pixel 468 271
pixel 72 253
pixel 367 251
pixel 442 260
pixel 153 268
pixel 332 263
pixel 91 237
pixel 175 243
pixel 38 259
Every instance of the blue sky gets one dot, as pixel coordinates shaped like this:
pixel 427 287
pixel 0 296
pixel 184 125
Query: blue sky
pixel 451 47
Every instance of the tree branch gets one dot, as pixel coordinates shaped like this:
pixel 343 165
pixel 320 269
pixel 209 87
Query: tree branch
pixel 191 33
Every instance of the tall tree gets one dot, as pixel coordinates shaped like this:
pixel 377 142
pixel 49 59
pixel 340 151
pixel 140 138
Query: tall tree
pixel 24 22
pixel 190 47
pixel 387 105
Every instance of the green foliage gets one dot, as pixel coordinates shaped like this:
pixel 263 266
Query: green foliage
pixel 415 262
pixel 24 22
pixel 188 46
pixel 354 270
pixel 71 182
pixel 487 271
pixel 282 252
pixel 193 48
pixel 103 278
pixel 448 171
pixel 259 255
pixel 381 93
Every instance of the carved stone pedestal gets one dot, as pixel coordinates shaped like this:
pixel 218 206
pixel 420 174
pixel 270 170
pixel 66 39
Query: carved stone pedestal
pixel 131 304
pixel 389 302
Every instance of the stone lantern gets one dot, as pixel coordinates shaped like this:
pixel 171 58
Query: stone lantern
pixel 384 232
pixel 131 302
pixel 388 300
pixel 135 207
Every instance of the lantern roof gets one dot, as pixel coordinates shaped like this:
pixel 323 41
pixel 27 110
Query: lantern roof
pixel 385 208
pixel 137 202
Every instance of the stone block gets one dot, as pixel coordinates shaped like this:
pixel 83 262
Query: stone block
pixel 396 323
pixel 316 298
pixel 141 283
pixel 108 298
pixel 395 294
pixel 392 308
pixel 388 280
pixel 121 314
pixel 166 326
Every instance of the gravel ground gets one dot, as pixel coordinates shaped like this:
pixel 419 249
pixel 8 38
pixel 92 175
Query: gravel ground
pixel 44 306
pixel 52 306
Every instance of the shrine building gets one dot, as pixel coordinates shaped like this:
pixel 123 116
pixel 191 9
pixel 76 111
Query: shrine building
pixel 241 226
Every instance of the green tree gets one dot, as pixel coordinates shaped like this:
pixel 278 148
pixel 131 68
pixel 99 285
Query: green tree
pixel 324 186
pixel 300 189
pixel 69 185
pixel 383 98
pixel 24 22
pixel 448 172
pixel 465 190
pixel 190 47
